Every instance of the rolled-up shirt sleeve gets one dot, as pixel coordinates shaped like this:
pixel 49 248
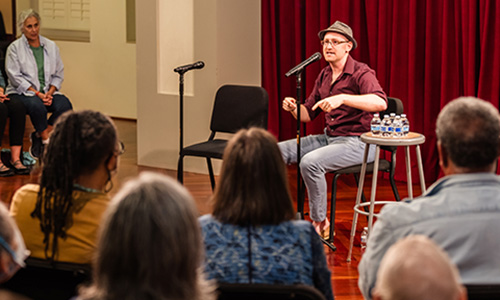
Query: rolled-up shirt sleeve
pixel 14 72
pixel 57 76
pixel 368 84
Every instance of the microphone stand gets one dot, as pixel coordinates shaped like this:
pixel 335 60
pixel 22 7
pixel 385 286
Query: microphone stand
pixel 300 194
pixel 181 70
pixel 180 167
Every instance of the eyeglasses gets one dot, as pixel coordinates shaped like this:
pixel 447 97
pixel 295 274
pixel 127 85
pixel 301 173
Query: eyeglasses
pixel 333 43
pixel 18 258
pixel 121 148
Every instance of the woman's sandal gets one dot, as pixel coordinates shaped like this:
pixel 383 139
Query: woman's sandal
pixel 19 168
pixel 5 171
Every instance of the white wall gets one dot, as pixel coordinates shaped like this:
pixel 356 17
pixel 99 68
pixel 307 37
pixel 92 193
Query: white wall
pixel 100 74
pixel 121 79
pixel 6 9
pixel 227 38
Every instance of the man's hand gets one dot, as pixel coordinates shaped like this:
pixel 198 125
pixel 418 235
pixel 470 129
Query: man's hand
pixel 289 104
pixel 330 103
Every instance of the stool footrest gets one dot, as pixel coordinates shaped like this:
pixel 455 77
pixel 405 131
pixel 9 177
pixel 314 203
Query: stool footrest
pixel 359 211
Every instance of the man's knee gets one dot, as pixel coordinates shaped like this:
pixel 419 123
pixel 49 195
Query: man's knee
pixel 287 153
pixel 309 164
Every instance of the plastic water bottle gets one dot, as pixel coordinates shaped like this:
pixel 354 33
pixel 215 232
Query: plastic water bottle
pixel 364 238
pixel 386 126
pixel 398 128
pixel 375 125
pixel 405 124
pixel 392 116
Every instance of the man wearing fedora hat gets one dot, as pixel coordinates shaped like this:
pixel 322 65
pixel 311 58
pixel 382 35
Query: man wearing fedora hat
pixel 348 92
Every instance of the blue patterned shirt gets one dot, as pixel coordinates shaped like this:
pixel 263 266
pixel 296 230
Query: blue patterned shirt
pixel 288 253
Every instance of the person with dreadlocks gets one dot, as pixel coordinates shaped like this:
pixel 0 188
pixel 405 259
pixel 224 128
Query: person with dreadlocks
pixel 59 218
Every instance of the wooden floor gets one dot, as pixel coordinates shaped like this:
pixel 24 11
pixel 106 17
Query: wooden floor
pixel 344 274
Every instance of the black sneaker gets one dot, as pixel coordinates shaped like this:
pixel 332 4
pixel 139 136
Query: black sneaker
pixel 36 148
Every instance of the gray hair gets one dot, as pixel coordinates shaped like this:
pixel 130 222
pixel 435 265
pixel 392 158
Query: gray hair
pixel 150 246
pixel 24 15
pixel 7 225
pixel 416 268
pixel 469 130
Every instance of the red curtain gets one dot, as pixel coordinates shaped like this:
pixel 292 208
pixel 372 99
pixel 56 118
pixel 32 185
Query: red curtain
pixel 425 52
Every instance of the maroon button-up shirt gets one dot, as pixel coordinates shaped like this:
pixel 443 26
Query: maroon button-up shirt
pixel 356 79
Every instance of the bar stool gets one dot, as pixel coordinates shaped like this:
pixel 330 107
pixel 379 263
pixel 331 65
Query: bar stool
pixel 412 139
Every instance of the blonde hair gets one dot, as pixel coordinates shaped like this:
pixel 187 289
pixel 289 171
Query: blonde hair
pixel 150 245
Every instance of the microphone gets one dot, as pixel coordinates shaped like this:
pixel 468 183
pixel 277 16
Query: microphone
pixel 298 68
pixel 185 68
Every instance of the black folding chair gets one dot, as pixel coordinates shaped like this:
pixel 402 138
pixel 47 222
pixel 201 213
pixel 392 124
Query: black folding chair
pixel 394 105
pixel 244 291
pixel 235 107
pixel 43 280
pixel 483 291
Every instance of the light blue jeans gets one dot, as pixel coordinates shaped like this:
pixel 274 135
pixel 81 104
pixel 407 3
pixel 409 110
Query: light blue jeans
pixel 321 154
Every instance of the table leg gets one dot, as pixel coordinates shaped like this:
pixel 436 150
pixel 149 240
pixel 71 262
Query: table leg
pixel 374 189
pixel 408 172
pixel 420 170
pixel 358 200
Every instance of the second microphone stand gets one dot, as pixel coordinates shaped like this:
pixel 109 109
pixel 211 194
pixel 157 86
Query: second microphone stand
pixel 300 193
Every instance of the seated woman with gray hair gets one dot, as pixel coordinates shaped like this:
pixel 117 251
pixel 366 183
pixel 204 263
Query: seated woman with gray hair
pixel 251 236
pixel 150 245
pixel 35 74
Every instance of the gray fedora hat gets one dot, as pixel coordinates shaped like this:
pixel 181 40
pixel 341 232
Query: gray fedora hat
pixel 341 28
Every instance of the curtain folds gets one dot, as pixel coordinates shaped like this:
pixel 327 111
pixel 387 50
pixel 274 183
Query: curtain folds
pixel 425 52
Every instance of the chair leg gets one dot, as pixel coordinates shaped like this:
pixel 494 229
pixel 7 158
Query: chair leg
pixel 333 206
pixel 394 187
pixel 211 173
pixel 180 169
pixel 301 199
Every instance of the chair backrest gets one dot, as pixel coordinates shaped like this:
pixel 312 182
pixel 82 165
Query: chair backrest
pixel 483 291
pixel 238 107
pixel 42 279
pixel 394 105
pixel 244 291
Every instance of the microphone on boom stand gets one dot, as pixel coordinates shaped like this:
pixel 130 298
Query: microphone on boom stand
pixel 297 70
pixel 181 70
pixel 185 68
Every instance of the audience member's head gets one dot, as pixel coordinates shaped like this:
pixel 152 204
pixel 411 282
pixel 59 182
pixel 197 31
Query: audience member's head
pixel 468 133
pixel 415 268
pixel 150 245
pixel 253 186
pixel 12 249
pixel 24 15
pixel 82 154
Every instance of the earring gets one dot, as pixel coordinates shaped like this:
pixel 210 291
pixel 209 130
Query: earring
pixel 109 183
